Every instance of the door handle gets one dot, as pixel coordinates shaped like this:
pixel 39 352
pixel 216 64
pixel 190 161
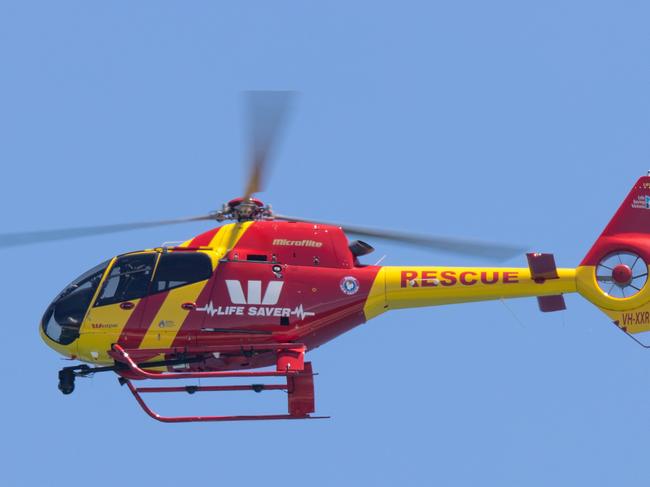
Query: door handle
pixel 127 305
pixel 189 306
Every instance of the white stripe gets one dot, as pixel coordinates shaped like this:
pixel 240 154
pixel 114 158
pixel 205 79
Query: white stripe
pixel 255 292
pixel 236 292
pixel 272 294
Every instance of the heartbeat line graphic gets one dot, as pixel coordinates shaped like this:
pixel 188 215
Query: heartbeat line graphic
pixel 212 310
pixel 209 309
pixel 299 312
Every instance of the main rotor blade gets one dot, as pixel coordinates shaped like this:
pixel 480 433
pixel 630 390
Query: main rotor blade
pixel 267 114
pixel 474 248
pixel 42 236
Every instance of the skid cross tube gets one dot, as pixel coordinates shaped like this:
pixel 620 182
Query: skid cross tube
pixel 299 387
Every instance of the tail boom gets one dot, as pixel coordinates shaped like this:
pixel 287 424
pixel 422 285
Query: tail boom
pixel 410 287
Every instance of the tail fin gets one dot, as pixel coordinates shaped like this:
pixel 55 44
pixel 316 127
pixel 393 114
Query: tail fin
pixel 614 273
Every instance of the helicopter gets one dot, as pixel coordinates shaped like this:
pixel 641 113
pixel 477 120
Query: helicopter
pixel 263 290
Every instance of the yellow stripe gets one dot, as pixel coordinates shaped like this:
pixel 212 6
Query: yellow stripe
pixel 228 237
pixel 165 325
pixel 376 303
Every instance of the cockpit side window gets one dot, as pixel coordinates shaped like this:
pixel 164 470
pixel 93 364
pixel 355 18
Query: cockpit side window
pixel 177 269
pixel 129 278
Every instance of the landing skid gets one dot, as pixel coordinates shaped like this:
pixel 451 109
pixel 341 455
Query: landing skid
pixel 298 374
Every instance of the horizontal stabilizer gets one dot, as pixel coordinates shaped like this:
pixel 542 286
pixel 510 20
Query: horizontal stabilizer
pixel 548 304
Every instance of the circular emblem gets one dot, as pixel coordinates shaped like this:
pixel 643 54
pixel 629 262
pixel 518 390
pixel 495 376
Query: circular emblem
pixel 349 285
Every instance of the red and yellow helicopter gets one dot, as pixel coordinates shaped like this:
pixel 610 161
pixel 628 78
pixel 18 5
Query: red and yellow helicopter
pixel 264 290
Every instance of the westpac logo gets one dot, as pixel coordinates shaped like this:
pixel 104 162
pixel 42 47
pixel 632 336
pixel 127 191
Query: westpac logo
pixel 255 302
pixel 254 293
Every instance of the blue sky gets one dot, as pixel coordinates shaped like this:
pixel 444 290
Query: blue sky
pixel 521 122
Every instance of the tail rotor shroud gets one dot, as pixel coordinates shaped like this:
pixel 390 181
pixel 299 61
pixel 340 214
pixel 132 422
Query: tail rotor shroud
pixel 621 274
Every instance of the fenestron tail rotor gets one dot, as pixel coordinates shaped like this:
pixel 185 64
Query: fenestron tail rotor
pixel 621 274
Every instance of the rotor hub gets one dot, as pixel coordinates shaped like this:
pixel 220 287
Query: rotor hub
pixel 622 275
pixel 244 209
pixel 234 203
